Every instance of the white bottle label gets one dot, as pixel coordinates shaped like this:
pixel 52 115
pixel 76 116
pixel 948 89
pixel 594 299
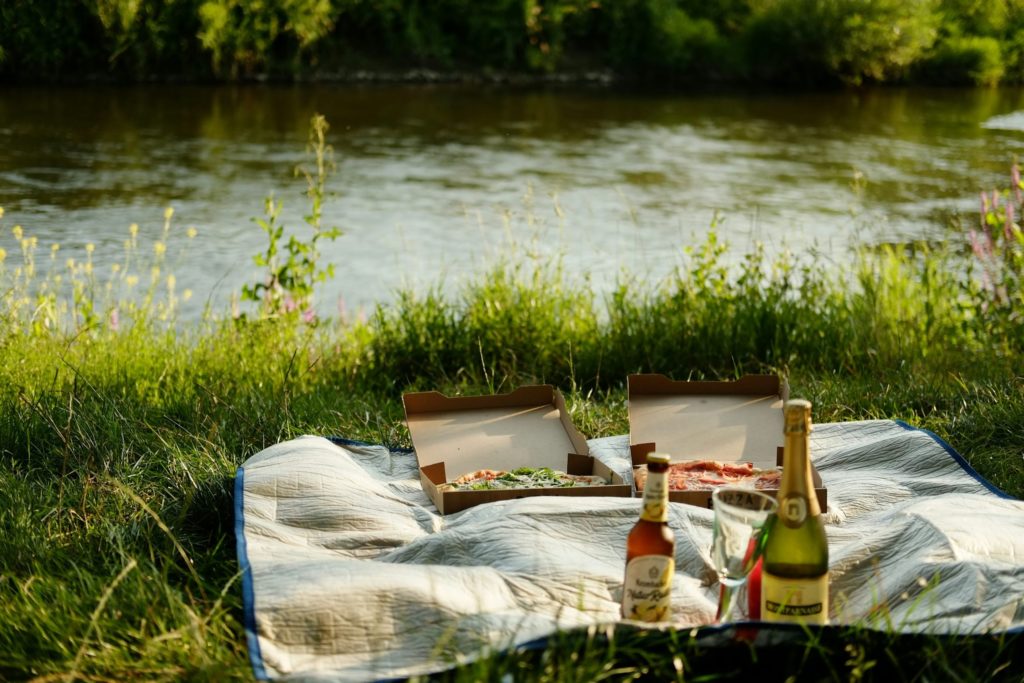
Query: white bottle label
pixel 646 595
pixel 655 503
pixel 794 600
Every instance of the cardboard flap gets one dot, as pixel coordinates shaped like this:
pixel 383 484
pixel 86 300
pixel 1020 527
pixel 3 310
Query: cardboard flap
pixel 528 427
pixel 726 421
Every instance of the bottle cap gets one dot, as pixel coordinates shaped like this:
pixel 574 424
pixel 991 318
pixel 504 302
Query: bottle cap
pixel 658 458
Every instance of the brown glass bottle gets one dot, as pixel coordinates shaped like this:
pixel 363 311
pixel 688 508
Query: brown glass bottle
pixel 650 550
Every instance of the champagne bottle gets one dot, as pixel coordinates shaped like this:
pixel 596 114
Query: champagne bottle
pixel 650 550
pixel 794 577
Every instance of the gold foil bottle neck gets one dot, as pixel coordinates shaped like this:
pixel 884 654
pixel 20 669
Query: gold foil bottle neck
pixel 797 416
pixel 658 458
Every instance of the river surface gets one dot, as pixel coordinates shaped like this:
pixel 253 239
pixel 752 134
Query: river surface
pixel 432 183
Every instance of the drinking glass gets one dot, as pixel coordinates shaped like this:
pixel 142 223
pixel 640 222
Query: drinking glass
pixel 738 538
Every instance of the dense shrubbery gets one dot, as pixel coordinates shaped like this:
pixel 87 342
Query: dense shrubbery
pixel 797 41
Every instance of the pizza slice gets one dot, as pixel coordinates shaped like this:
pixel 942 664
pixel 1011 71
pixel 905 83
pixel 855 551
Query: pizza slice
pixel 706 475
pixel 520 478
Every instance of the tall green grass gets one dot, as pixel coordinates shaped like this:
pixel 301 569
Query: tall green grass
pixel 121 429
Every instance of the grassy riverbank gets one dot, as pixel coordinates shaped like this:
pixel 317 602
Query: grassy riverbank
pixel 663 41
pixel 121 432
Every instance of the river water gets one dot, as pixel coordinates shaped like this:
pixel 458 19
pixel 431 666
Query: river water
pixel 432 183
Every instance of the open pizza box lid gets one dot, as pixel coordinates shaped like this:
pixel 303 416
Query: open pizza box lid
pixel 528 427
pixel 737 421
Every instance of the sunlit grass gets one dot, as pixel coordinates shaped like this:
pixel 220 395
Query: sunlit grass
pixel 121 428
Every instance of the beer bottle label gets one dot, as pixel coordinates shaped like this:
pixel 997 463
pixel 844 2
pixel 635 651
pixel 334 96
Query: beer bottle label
pixel 794 600
pixel 655 503
pixel 648 588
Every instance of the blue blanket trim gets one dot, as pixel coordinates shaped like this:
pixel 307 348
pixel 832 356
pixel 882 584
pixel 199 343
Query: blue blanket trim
pixel 248 591
pixel 959 459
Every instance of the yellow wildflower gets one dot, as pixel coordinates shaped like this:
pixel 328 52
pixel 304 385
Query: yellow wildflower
pixel 160 248
pixel 187 294
pixel 115 268
pixel 127 244
pixel 18 232
pixel 192 232
pixel 26 243
pixel 168 212
pixel 133 229
pixel 88 268
pixel 54 248
pixel 3 255
pixel 132 280
pixel 70 263
pixel 33 242
pixel 89 248
pixel 171 281
pixel 154 272
pixel 1 212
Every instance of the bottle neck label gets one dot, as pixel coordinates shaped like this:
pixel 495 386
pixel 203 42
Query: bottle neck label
pixel 793 510
pixel 655 507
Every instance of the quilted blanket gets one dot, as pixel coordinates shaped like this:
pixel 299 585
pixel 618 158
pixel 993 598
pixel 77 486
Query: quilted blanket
pixel 349 573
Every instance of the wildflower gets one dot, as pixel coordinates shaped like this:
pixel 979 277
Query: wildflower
pixel 1 212
pixel 89 248
pixel 308 315
pixel 115 320
pixel 160 248
pixel 192 232
pixel 133 229
pixel 154 273
pixel 70 263
pixel 3 255
pixel 115 268
pixel 54 248
pixel 18 232
pixel 168 212
pixel 186 295
pixel 132 280
pixel 1008 225
pixel 171 281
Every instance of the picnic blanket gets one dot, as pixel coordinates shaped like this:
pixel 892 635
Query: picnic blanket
pixel 349 573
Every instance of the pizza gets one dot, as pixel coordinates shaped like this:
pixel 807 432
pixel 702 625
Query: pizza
pixel 706 475
pixel 521 478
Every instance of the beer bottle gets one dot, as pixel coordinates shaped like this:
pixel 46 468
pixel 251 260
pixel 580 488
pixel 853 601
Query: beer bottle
pixel 650 550
pixel 794 576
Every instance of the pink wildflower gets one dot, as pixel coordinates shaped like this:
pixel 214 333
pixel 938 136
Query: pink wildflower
pixel 115 320
pixel 1008 225
pixel 308 315
pixel 1015 178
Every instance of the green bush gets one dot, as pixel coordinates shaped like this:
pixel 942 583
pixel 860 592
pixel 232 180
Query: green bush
pixel 978 17
pixel 964 60
pixel 848 40
pixel 243 36
pixel 658 38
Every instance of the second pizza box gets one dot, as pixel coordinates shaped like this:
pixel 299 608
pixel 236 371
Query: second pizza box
pixel 528 427
pixel 737 421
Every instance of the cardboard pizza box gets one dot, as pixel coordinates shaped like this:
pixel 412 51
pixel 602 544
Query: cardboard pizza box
pixel 737 421
pixel 528 427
